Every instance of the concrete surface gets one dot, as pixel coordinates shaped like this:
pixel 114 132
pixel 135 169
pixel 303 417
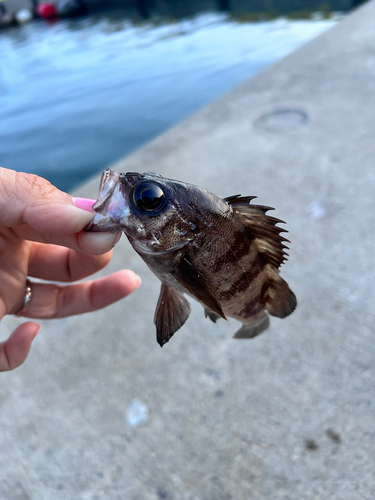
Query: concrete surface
pixel 100 412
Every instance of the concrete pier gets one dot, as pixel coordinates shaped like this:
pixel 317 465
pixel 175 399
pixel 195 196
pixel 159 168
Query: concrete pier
pixel 100 412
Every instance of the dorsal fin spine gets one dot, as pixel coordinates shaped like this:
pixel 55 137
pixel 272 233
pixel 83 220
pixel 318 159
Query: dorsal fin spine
pixel 266 233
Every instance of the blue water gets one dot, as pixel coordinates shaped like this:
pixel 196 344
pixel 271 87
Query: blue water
pixel 80 94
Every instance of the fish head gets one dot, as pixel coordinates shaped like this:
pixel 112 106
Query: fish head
pixel 130 202
pixel 113 206
pixel 157 214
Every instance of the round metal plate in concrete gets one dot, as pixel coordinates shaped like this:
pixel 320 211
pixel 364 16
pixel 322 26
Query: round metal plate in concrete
pixel 282 121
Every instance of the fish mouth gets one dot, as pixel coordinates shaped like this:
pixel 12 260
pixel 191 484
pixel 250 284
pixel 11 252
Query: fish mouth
pixel 103 224
pixel 112 207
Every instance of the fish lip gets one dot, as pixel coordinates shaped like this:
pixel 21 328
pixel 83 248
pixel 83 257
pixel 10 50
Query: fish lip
pixel 103 224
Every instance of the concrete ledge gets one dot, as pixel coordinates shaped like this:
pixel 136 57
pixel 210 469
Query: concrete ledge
pixel 288 415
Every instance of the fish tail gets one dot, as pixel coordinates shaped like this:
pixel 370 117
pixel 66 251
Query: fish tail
pixel 281 301
pixel 250 330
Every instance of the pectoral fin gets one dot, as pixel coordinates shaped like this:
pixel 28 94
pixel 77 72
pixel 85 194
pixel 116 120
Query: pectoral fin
pixel 172 311
pixel 196 284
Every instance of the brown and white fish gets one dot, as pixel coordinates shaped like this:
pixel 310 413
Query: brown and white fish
pixel 224 252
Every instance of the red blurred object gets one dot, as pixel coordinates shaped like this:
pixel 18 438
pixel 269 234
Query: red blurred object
pixel 47 11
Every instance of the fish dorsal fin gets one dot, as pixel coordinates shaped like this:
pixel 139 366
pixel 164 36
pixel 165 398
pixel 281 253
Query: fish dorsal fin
pixel 280 300
pixel 196 284
pixel 172 311
pixel 263 227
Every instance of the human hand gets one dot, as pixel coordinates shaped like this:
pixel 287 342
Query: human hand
pixel 41 236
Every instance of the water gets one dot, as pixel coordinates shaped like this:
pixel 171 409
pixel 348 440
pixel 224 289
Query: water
pixel 80 94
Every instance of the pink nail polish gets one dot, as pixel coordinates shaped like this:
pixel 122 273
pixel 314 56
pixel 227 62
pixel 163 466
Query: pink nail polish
pixel 84 203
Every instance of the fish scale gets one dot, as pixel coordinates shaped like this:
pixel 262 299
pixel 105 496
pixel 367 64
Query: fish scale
pixel 224 252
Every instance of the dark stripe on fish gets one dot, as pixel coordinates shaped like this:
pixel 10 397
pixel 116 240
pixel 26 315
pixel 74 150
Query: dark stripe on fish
pixel 256 304
pixel 242 283
pixel 251 308
pixel 240 247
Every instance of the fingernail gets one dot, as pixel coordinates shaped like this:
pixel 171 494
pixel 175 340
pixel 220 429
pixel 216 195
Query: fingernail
pixel 139 280
pixel 84 203
pixel 38 330
pixel 98 243
pixel 118 237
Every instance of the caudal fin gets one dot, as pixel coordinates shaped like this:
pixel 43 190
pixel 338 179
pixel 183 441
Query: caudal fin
pixel 281 300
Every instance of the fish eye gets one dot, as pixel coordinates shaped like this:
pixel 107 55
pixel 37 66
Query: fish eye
pixel 148 197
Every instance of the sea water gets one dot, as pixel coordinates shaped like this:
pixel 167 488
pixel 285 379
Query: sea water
pixel 78 95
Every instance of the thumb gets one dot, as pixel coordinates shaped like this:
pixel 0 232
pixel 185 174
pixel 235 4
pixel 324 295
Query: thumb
pixel 32 200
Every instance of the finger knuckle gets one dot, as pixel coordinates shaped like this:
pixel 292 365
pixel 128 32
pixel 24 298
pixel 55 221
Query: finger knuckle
pixel 34 183
pixel 57 303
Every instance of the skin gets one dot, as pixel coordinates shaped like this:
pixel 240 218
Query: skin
pixel 42 236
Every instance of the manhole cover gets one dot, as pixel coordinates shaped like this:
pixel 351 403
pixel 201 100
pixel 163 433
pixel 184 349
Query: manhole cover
pixel 282 121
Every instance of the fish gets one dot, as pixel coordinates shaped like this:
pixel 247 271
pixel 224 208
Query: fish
pixel 223 252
